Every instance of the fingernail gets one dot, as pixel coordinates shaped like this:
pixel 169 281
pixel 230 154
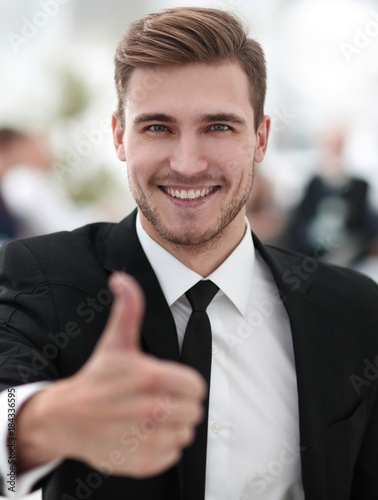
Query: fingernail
pixel 116 283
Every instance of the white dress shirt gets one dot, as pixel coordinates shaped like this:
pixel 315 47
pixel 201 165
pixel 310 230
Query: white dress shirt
pixel 253 431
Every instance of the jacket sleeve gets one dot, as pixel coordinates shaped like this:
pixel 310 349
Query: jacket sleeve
pixel 27 315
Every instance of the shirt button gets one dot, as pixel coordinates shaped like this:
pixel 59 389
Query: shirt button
pixel 216 427
pixel 214 349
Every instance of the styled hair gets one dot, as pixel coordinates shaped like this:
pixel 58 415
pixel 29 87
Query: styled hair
pixel 187 35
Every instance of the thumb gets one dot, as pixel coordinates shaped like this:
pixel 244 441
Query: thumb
pixel 123 328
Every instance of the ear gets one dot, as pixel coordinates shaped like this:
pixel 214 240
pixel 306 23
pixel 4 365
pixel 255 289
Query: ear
pixel 262 139
pixel 118 137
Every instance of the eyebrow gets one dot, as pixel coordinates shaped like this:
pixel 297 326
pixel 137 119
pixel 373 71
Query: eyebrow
pixel 221 117
pixel 200 119
pixel 153 117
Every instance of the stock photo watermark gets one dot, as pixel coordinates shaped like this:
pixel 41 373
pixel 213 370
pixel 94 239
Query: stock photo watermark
pixel 151 79
pixel 31 26
pixel 260 312
pixel 362 37
pixel 281 118
pixel 87 309
pixel 11 441
pixel 302 272
pixel 82 149
pixel 365 379
pixel 260 479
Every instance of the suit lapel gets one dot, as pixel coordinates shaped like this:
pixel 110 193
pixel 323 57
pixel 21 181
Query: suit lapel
pixel 312 343
pixel 123 252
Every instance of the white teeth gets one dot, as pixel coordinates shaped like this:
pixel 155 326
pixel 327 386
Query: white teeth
pixel 188 195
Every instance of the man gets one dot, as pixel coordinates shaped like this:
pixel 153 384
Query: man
pixel 292 401
pixel 9 222
pixel 31 202
pixel 334 208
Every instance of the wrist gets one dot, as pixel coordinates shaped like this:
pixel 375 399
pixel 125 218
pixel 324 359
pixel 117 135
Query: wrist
pixel 37 443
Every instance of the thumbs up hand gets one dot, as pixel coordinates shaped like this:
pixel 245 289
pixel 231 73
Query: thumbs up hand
pixel 123 328
pixel 125 412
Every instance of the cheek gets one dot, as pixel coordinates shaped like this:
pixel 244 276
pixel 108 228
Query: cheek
pixel 237 165
pixel 137 173
pixel 144 155
pixel 232 153
pixel 141 163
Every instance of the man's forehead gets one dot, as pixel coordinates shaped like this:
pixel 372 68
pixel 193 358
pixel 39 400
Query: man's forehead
pixel 202 88
pixel 151 76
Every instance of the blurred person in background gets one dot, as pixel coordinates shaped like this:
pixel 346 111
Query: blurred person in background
pixel 262 211
pixel 9 223
pixel 334 220
pixel 32 201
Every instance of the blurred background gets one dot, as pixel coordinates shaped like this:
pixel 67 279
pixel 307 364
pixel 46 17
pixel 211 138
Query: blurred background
pixel 317 190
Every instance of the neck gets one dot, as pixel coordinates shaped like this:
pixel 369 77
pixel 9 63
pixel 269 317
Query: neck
pixel 208 256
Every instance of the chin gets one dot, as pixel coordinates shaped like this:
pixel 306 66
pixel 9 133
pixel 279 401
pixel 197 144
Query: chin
pixel 194 237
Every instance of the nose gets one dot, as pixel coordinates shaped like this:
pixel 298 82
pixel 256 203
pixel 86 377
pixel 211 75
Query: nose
pixel 188 158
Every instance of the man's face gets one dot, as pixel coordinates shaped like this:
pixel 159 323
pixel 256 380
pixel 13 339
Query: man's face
pixel 190 144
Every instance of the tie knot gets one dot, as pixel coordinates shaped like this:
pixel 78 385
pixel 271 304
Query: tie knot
pixel 201 294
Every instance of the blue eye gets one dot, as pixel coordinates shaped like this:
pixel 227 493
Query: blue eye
pixel 157 128
pixel 219 127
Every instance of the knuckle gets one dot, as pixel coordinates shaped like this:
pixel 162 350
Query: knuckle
pixel 157 441
pixel 158 378
pixel 143 408
pixel 151 377
pixel 185 435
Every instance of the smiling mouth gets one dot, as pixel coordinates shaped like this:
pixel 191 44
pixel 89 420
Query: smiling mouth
pixel 190 194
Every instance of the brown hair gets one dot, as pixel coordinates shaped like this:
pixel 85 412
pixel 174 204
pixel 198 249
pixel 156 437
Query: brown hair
pixel 187 35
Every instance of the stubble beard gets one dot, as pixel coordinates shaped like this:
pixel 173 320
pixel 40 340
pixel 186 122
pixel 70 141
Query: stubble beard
pixel 192 240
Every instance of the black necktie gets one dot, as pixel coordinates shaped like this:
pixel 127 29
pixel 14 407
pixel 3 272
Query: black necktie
pixel 196 352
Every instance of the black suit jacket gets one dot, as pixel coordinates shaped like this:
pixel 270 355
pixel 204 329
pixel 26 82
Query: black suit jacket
pixel 55 303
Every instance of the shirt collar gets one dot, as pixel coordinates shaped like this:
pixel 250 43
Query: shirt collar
pixel 233 276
